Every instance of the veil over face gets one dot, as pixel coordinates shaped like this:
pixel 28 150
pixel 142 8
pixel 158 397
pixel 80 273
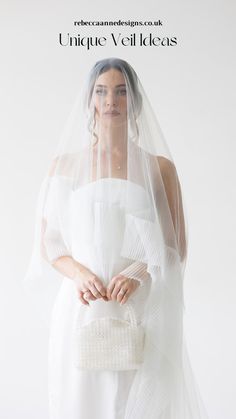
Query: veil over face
pixel 112 138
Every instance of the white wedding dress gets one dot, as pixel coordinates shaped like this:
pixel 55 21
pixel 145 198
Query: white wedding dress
pixel 92 394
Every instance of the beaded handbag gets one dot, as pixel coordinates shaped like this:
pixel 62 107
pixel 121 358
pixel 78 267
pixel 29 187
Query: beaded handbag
pixel 109 343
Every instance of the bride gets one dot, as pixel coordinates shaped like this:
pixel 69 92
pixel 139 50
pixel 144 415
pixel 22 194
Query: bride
pixel 111 225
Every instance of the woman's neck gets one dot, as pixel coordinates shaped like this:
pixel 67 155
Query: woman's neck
pixel 113 139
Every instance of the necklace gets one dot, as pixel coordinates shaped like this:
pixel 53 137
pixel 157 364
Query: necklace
pixel 116 155
pixel 104 152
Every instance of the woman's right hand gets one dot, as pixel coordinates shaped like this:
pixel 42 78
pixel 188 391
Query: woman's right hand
pixel 89 286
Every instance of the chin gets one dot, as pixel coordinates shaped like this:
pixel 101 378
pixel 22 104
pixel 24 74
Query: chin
pixel 113 122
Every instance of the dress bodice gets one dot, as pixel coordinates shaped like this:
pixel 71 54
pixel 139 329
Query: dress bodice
pixel 98 213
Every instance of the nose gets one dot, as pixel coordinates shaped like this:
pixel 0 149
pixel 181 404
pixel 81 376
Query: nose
pixel 111 99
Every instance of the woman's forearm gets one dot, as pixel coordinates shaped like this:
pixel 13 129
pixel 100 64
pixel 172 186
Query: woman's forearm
pixel 67 266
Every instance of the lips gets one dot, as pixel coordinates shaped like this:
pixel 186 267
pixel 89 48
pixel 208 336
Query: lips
pixel 112 113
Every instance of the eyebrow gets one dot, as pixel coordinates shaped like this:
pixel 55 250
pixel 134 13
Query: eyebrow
pixel 104 85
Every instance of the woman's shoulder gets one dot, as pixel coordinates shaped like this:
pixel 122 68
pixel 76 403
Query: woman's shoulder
pixel 167 166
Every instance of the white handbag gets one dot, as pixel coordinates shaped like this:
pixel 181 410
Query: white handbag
pixel 109 343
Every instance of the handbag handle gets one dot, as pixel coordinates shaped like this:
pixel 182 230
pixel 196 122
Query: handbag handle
pixel 131 313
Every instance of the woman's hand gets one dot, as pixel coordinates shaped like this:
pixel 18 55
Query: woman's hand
pixel 89 286
pixel 120 288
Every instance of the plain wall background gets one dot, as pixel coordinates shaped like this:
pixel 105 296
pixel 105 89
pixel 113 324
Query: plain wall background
pixel 192 89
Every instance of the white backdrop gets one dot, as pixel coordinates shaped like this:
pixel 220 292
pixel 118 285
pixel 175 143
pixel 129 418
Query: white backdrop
pixel 192 88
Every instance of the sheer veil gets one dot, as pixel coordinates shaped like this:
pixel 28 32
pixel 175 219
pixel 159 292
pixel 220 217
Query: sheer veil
pixel 113 133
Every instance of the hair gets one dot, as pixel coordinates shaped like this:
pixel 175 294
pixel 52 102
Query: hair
pixel 125 68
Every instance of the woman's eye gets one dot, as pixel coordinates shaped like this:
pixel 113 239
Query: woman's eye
pixel 122 92
pixel 100 91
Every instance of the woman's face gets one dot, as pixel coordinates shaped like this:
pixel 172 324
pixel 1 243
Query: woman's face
pixel 110 98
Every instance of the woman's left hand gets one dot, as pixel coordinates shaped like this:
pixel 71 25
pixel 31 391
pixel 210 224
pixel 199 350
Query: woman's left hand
pixel 115 288
pixel 120 288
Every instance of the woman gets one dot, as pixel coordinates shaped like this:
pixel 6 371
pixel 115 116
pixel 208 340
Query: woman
pixel 111 222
